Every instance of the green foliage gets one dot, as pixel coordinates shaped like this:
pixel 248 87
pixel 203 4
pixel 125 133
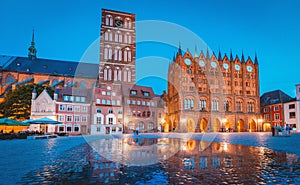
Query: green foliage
pixel 17 103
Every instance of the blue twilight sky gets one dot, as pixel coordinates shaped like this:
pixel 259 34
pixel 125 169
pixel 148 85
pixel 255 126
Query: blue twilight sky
pixel 64 29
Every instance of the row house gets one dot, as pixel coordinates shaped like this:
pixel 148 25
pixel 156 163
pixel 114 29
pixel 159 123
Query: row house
pixel 70 106
pixel 292 111
pixel 107 110
pixel 141 108
pixel 272 109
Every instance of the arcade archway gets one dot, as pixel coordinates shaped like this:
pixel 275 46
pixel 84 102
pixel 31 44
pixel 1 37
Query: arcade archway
pixel 203 125
pixel 240 126
pixel 190 127
pixel 216 125
pixel 252 126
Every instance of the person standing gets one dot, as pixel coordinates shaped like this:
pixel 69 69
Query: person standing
pixel 273 131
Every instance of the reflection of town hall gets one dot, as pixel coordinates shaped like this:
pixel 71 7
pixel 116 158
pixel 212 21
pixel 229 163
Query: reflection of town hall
pixel 213 93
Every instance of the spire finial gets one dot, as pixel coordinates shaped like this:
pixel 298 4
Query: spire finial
pixel 243 59
pixel 196 53
pixel 255 59
pixel 32 51
pixel 231 58
pixel 179 49
pixel 207 53
pixel 219 55
pixel 174 57
pixel 32 39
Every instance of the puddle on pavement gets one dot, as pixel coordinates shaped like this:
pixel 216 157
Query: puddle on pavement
pixel 168 161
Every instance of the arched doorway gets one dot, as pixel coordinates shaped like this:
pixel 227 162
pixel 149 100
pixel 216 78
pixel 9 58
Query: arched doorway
pixel 166 127
pixel 216 125
pixel 190 127
pixel 240 126
pixel 203 125
pixel 252 126
pixel 267 127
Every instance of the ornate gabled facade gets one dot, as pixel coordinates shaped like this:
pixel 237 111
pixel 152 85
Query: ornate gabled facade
pixel 209 94
pixel 272 108
pixel 70 106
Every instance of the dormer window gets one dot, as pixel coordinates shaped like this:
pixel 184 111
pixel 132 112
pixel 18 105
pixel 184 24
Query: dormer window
pixel 133 92
pixel 146 94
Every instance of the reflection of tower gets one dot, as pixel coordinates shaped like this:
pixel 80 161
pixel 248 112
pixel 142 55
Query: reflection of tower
pixel 117 47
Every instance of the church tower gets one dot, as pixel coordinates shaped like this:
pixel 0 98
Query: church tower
pixel 117 48
pixel 31 50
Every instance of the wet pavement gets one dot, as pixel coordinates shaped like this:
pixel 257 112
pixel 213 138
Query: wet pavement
pixel 232 158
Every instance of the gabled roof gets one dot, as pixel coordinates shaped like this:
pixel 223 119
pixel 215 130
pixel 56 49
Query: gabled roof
pixel 274 97
pixel 51 67
pixel 74 92
pixel 127 88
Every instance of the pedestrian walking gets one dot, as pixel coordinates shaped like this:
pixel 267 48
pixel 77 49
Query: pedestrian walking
pixel 273 131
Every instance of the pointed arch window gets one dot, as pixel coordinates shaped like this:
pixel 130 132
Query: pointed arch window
pixel 110 36
pixel 116 54
pixel 129 76
pixel 118 36
pixel 129 55
pixel 119 74
pixel 129 39
pixel 125 55
pixel 110 53
pixel 215 105
pixel 106 35
pixel 125 76
pixel 105 74
pixel 239 106
pixel 127 23
pixel 188 103
pixel 115 75
pixel 120 55
pixel 250 107
pixel 109 75
pixel 108 20
pixel 226 106
pixel 202 104
pixel 105 53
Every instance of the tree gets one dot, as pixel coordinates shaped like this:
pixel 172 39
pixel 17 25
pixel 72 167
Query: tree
pixel 17 103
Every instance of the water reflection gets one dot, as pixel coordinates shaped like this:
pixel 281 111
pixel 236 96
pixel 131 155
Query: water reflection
pixel 124 161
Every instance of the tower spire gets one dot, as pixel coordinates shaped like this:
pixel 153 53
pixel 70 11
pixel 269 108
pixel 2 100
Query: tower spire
pixel 219 55
pixel 255 59
pixel 179 49
pixel 32 50
pixel 196 53
pixel 207 53
pixel 231 58
pixel 243 59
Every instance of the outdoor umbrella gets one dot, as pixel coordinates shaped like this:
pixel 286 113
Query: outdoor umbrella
pixel 8 125
pixel 12 122
pixel 43 120
pixel 43 124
